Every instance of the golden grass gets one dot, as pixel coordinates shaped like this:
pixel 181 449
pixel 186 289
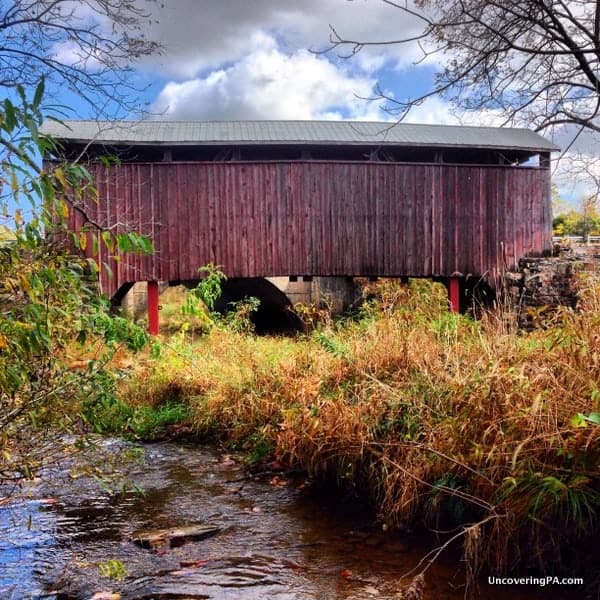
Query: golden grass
pixel 440 419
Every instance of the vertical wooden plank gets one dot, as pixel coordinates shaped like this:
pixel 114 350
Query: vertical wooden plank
pixel 496 258
pixel 467 226
pixel 438 220
pixel 311 226
pixel 242 197
pixel 427 213
pixel 406 183
pixel 447 246
pixel 223 242
pixel 287 221
pixel 180 197
pixel 207 182
pixel 147 216
pixel 196 210
pixel 379 218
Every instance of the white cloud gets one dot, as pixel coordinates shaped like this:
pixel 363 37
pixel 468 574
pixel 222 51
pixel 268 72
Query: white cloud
pixel 433 111
pixel 70 53
pixel 243 60
pixel 270 84
pixel 200 35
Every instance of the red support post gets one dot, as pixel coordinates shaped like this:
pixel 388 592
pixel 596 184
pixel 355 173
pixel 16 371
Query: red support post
pixel 454 294
pixel 153 323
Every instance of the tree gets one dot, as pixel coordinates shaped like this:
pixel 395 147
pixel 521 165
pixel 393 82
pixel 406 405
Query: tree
pixel 89 46
pixel 582 222
pixel 534 62
pixel 48 303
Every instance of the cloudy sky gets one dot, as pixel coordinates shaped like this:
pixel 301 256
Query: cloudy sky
pixel 256 59
pixel 261 59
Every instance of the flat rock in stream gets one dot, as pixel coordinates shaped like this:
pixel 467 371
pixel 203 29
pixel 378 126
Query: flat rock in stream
pixel 173 537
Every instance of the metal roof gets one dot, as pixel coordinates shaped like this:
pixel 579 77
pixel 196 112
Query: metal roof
pixel 356 133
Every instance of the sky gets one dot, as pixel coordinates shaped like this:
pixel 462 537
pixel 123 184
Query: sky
pixel 259 59
pixel 240 60
pixel 262 59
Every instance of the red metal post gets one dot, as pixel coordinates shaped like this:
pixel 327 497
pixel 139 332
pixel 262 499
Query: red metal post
pixel 454 294
pixel 153 323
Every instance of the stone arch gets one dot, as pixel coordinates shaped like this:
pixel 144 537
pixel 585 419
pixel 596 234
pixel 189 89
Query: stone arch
pixel 275 315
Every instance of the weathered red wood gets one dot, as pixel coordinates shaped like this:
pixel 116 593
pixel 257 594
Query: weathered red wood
pixel 454 294
pixel 322 218
pixel 153 320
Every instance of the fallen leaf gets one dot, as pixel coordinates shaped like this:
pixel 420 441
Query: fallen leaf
pixel 278 481
pixel 346 574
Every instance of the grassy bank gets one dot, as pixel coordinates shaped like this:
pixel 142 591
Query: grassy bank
pixel 440 420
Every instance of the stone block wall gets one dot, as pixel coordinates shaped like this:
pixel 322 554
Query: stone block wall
pixel 542 284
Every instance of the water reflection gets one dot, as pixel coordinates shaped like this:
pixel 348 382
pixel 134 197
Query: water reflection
pixel 276 541
pixel 26 543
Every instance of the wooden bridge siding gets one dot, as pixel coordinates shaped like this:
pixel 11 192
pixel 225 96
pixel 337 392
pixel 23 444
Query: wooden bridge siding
pixel 323 218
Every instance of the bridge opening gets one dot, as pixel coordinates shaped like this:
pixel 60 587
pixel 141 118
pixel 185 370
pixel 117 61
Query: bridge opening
pixel 275 314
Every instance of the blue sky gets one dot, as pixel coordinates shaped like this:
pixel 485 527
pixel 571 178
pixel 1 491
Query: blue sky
pixel 241 59
pixel 252 59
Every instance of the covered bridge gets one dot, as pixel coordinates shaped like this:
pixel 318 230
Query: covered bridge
pixel 308 198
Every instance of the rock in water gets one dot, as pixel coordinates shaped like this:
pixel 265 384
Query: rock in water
pixel 173 537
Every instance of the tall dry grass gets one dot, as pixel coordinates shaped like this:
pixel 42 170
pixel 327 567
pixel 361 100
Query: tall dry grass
pixel 442 420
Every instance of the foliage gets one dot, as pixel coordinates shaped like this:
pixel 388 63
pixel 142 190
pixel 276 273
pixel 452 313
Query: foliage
pixel 182 311
pixel 200 303
pixel 50 308
pixel 209 288
pixel 145 423
pixel 574 223
pixel 113 569
pixel 442 420
pixel 238 319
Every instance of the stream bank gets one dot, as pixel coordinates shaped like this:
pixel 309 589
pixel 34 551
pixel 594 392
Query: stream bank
pixel 70 536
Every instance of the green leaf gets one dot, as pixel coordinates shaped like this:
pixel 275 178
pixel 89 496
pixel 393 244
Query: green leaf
pixel 10 117
pixel 124 242
pixel 108 240
pixel 39 94
pixel 146 245
pixel 593 417
pixel 578 420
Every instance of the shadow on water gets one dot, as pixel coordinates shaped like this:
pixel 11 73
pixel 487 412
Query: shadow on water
pixel 276 540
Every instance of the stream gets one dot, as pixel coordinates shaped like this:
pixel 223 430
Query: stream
pixel 70 536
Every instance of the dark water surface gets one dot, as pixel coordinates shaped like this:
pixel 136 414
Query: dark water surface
pixel 278 539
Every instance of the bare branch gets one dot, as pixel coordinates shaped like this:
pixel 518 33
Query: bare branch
pixel 533 62
pixel 88 47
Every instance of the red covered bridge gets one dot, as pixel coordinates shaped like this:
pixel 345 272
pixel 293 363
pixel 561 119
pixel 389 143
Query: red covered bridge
pixel 304 198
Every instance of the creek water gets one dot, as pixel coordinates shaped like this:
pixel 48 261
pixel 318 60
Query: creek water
pixel 62 535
